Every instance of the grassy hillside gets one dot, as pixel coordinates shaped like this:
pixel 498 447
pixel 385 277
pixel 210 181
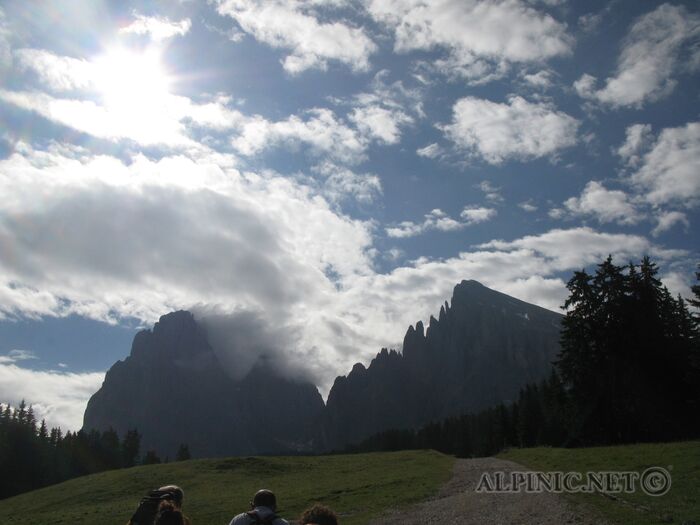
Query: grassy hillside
pixel 358 487
pixel 681 504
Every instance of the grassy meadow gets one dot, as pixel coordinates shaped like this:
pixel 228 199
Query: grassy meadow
pixel 680 505
pixel 358 487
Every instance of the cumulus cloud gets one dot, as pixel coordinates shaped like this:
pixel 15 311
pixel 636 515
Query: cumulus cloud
pixel 320 130
pixel 477 214
pixel 604 205
pixel 59 397
pixel 154 116
pixel 540 80
pixel 17 355
pixel 491 192
pixel 298 27
pixel 181 216
pixel 667 220
pixel 5 48
pixel 651 58
pixel 527 206
pixel 156 27
pixel 515 130
pixel 268 250
pixel 60 73
pixel 438 220
pixel 161 118
pixel 677 283
pixel 381 113
pixel 341 183
pixel 668 171
pixel 481 38
pixel 637 140
pixel 431 151
pixel 140 109
pixel 380 123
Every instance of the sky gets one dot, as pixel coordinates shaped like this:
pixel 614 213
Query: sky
pixel 315 176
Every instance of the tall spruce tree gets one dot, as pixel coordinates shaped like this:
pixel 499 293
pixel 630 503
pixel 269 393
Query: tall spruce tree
pixel 626 352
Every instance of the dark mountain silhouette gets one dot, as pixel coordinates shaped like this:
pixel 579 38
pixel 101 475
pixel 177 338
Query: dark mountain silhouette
pixel 480 351
pixel 174 390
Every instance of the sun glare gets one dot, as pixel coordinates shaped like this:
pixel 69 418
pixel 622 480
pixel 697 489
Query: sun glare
pixel 131 80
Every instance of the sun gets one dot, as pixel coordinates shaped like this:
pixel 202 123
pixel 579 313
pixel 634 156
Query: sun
pixel 131 80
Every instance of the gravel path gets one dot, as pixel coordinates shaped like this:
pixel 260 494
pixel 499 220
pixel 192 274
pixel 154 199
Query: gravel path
pixel 458 503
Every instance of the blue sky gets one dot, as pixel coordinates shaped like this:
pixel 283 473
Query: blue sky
pixel 325 171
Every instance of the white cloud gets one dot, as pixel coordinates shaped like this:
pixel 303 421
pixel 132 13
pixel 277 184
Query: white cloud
pixel 667 220
pixel 58 397
pixel 341 183
pixel 17 355
pixel 147 237
pixel 540 80
pixel 604 205
pixel 322 131
pixel 579 247
pixel 480 37
pixel 141 108
pixel 556 213
pixel 5 47
pixel 394 254
pixel 670 170
pixel 60 73
pixel 637 140
pixel 491 192
pixel 477 214
pixel 431 151
pixel 434 220
pixel 438 220
pixel 154 116
pixel 178 209
pixel 381 113
pixel 518 129
pixel 296 26
pixel 677 283
pixel 158 28
pixel 380 123
pixel 650 59
pixel 527 206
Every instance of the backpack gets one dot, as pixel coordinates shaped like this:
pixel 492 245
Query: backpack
pixel 259 521
pixel 148 507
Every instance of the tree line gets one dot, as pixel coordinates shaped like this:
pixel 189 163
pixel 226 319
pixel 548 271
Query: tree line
pixel 628 371
pixel 33 456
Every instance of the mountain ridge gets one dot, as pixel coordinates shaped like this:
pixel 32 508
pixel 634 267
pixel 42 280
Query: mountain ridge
pixel 480 350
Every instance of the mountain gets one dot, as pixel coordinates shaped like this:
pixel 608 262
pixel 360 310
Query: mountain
pixel 173 389
pixel 479 351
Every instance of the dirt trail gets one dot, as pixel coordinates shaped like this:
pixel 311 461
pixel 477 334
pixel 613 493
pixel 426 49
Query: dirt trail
pixel 458 503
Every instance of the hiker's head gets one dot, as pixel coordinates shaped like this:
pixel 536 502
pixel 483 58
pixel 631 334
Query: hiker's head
pixel 169 514
pixel 318 515
pixel 264 498
pixel 177 494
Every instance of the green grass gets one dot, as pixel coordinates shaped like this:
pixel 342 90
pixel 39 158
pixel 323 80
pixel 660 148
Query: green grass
pixel 358 487
pixel 681 503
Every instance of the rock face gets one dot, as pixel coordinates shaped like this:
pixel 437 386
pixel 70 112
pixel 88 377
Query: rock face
pixel 480 351
pixel 174 390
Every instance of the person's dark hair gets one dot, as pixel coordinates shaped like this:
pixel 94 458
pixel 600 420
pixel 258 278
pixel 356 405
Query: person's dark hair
pixel 170 514
pixel 177 493
pixel 318 515
pixel 264 498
